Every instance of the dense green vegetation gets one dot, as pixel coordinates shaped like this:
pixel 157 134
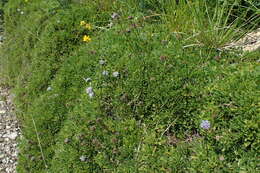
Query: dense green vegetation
pixel 156 70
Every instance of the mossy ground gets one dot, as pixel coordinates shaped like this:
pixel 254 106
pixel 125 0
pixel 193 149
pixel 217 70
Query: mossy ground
pixel 146 119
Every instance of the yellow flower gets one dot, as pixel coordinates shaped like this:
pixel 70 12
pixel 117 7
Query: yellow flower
pixel 86 38
pixel 88 26
pixel 82 23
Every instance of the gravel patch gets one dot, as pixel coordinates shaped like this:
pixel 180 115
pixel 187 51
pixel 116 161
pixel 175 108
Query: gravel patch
pixel 9 127
pixel 9 133
pixel 250 42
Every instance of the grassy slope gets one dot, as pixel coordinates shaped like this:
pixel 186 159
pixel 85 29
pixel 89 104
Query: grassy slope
pixel 145 120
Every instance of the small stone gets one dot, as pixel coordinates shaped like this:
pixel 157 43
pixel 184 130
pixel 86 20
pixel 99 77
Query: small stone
pixel 13 135
pixel 14 155
pixel 2 156
pixel 2 111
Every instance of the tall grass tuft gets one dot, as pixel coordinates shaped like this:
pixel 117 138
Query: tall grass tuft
pixel 211 24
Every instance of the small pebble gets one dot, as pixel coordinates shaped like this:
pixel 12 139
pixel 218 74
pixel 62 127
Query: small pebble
pixel 13 135
pixel 2 111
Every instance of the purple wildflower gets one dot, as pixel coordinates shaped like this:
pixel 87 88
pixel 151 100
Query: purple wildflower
pixel 205 124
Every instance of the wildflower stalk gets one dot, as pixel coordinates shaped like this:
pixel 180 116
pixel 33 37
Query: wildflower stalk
pixel 205 124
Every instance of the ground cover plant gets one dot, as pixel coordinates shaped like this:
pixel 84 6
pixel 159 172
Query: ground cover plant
pixel 132 86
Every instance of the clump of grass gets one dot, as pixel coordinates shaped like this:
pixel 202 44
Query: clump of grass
pixel 210 24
